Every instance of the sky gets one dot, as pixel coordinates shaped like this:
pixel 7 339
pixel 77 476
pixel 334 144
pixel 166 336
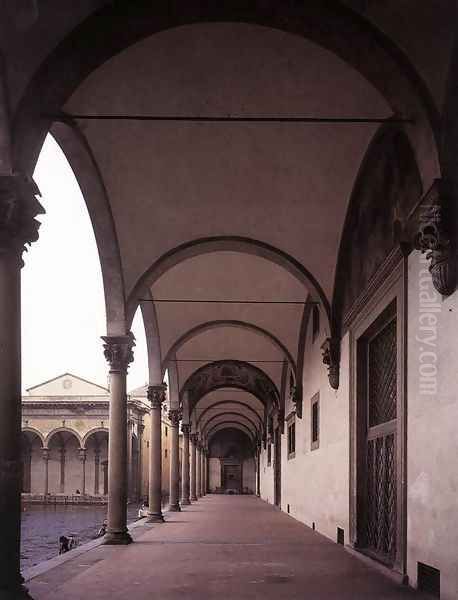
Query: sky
pixel 63 308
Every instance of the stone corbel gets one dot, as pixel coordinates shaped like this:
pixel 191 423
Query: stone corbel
pixel 436 237
pixel 331 357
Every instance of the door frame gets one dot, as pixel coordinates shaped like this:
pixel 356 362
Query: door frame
pixel 391 287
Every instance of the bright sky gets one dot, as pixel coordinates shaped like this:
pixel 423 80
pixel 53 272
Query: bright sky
pixel 63 309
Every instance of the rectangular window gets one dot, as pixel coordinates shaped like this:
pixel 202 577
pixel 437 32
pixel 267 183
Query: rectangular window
pixel 315 422
pixel 166 431
pixel 269 454
pixel 165 453
pixel 291 439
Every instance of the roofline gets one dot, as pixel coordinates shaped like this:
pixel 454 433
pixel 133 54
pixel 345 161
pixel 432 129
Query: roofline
pixel 71 375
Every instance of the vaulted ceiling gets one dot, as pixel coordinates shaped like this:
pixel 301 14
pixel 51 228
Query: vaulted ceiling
pixel 283 187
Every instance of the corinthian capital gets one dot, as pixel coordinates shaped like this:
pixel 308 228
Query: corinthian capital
pixel 174 416
pixel 118 350
pixel 18 208
pixel 186 428
pixel 157 394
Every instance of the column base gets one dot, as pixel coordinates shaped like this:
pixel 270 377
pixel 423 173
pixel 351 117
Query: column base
pixel 185 502
pixel 175 507
pixel 117 538
pixel 155 518
pixel 194 498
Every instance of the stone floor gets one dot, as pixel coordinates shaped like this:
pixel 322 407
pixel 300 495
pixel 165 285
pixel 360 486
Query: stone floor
pixel 229 547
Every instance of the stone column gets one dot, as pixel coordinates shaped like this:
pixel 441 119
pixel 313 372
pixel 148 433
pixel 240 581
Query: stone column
pixel 174 417
pixel 130 478
pixel 140 462
pixel 185 499
pixel 206 471
pixel 97 472
pixel 198 470
pixel 62 470
pixel 118 352
pixel 193 438
pixel 202 472
pixel 46 461
pixel 18 227
pixel 156 395
pixel 258 472
pixel 83 472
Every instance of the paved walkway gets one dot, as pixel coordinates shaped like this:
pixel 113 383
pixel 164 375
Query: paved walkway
pixel 226 547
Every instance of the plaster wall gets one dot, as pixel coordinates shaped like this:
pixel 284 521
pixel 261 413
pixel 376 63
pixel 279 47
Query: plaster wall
pixel 249 475
pixel 432 477
pixel 267 477
pixel 73 469
pixel 315 483
pixel 214 473
pixel 37 471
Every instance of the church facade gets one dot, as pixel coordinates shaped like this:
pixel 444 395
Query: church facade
pixel 65 431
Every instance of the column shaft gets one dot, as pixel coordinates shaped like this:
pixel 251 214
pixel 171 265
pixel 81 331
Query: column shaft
pixel 174 417
pixel 97 473
pixel 202 472
pixel 83 473
pixel 18 208
pixel 199 472
pixel 140 463
pixel 193 467
pixel 129 459
pixel 118 351
pixel 156 395
pixel 185 487
pixel 46 461
pixel 10 424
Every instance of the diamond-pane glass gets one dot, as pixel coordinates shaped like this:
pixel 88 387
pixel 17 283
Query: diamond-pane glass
pixel 382 376
pixel 381 496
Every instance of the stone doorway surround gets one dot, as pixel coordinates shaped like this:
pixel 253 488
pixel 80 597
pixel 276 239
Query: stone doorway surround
pixel 387 286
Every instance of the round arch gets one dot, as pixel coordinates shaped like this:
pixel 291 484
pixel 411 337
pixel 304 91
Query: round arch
pixel 209 325
pixel 213 244
pixel 327 23
pixel 230 374
pixel 229 414
pixel 57 430
pixel 230 425
pixel 92 432
pixel 35 432
pixel 247 406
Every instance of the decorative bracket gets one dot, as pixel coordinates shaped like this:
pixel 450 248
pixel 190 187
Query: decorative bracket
pixel 331 357
pixel 435 236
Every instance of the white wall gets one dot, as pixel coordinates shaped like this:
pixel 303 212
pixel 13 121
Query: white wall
pixel 315 483
pixel 214 470
pixel 267 477
pixel 432 493
pixel 249 475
